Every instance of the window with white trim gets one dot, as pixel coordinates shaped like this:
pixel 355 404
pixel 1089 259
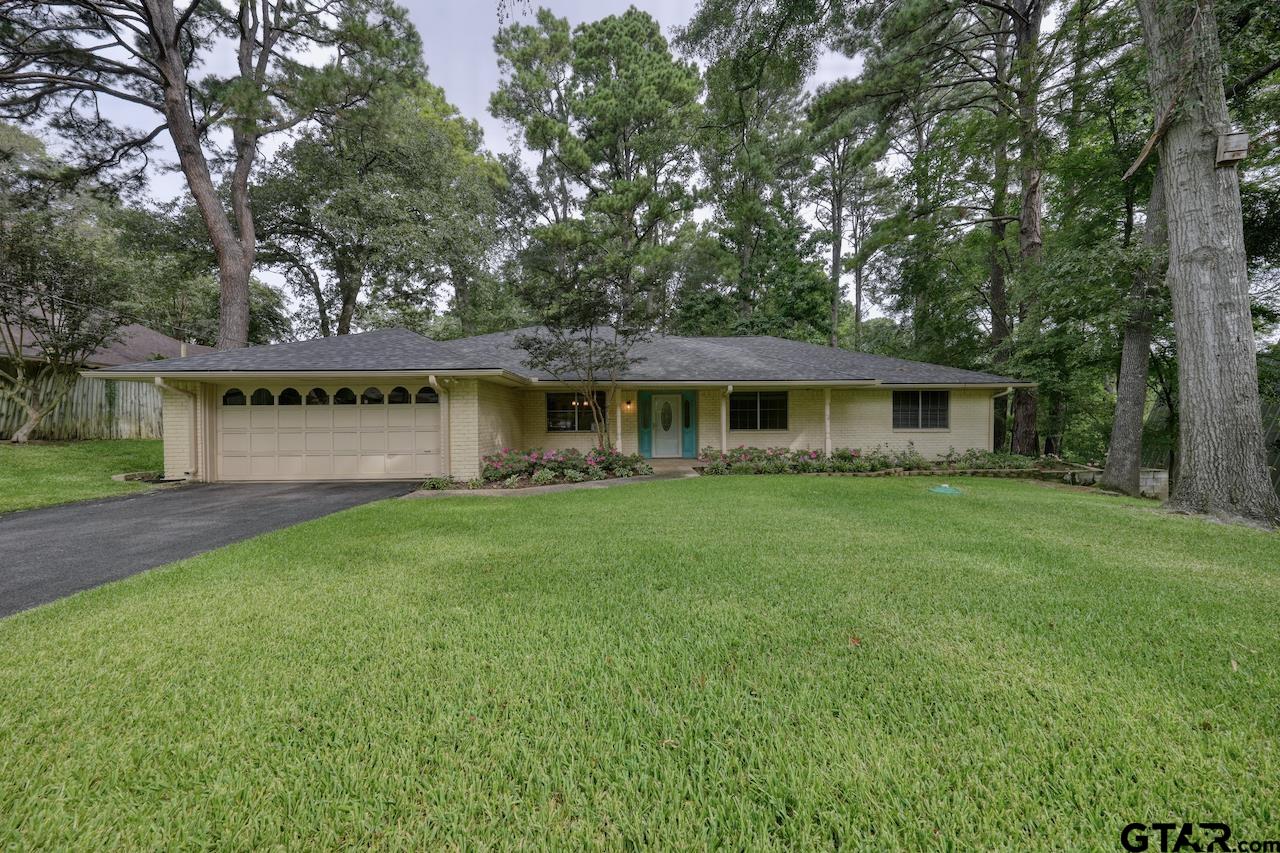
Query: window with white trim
pixel 758 410
pixel 921 409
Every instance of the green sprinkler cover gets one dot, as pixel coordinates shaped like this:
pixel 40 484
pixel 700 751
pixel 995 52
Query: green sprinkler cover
pixel 944 489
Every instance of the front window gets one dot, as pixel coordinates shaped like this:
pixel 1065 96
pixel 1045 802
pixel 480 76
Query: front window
pixel 572 412
pixel 921 409
pixel 758 410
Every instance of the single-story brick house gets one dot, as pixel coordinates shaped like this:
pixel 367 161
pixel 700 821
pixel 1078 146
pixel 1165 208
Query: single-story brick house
pixel 392 404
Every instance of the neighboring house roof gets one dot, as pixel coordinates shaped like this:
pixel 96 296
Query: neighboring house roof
pixel 134 343
pixel 663 358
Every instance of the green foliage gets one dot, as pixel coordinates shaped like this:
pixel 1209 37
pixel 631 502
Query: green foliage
pixel 782 460
pixel 595 464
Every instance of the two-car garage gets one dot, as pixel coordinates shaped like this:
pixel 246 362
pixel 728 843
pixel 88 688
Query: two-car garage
pixel 326 432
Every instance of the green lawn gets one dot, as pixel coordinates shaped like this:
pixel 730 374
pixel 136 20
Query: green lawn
pixel 738 661
pixel 41 474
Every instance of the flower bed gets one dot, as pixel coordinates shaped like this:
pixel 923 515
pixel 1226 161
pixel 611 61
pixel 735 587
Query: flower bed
pixel 782 460
pixel 514 469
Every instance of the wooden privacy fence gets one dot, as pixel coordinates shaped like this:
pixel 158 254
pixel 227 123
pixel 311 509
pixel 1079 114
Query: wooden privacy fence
pixel 95 408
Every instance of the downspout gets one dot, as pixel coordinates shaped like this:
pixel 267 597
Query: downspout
pixel 194 473
pixel 991 419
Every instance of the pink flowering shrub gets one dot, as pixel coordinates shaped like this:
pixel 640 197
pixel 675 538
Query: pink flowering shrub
pixel 783 460
pixel 595 464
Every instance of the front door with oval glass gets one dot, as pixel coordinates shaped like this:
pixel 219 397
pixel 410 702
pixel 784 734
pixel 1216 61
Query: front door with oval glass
pixel 666 425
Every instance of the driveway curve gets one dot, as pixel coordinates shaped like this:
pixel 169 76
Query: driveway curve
pixel 49 553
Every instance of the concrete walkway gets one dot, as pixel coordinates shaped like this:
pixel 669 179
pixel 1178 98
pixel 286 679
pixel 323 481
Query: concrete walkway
pixel 56 551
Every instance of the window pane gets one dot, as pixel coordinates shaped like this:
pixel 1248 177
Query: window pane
pixel 262 397
pixel 290 397
pixel 562 414
pixel 743 410
pixel 906 409
pixel 317 397
pixel 934 409
pixel 398 396
pixel 344 397
pixel 233 397
pixel 773 410
pixel 427 394
pixel 371 397
pixel 687 410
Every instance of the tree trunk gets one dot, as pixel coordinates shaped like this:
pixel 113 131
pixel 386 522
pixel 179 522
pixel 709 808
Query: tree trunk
pixel 837 249
pixel 462 299
pixel 1124 451
pixel 1222 460
pixel 234 267
pixel 350 275
pixel 1026 39
pixel 857 307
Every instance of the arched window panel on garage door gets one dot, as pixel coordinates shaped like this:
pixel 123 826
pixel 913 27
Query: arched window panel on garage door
pixel 234 397
pixel 317 397
pixel 262 397
pixel 344 397
pixel 290 397
pixel 372 397
pixel 399 396
pixel 427 394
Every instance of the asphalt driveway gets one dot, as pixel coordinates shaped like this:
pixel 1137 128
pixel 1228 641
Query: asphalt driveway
pixel 49 553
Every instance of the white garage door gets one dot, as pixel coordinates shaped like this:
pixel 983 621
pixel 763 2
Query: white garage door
pixel 330 432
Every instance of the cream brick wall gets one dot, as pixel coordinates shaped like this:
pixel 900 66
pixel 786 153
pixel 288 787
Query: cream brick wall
pixel 179 422
pixel 464 428
pixel 533 421
pixel 860 418
pixel 499 419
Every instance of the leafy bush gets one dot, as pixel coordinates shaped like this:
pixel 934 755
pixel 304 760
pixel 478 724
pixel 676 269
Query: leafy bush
pixel 475 483
pixel 593 464
pixel 543 477
pixel 572 476
pixel 512 482
pixel 844 460
pixel 437 483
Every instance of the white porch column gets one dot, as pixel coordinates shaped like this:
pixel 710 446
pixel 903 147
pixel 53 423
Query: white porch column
pixel 724 419
pixel 617 407
pixel 826 420
pixel 446 456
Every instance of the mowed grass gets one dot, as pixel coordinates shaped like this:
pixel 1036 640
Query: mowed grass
pixel 745 662
pixel 34 475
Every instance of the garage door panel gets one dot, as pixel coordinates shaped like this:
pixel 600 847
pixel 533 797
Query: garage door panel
pixel 327 441
pixel 401 442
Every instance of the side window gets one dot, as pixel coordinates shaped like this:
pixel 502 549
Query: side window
pixel 262 397
pixel 233 397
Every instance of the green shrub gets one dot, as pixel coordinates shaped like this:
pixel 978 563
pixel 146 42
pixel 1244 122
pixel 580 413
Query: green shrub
pixel 475 483
pixel 512 482
pixel 543 477
pixel 572 476
pixel 437 483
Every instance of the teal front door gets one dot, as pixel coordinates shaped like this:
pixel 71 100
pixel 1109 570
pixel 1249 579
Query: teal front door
pixel 668 424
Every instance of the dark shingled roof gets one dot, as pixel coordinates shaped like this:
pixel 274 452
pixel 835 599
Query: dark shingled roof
pixel 662 359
